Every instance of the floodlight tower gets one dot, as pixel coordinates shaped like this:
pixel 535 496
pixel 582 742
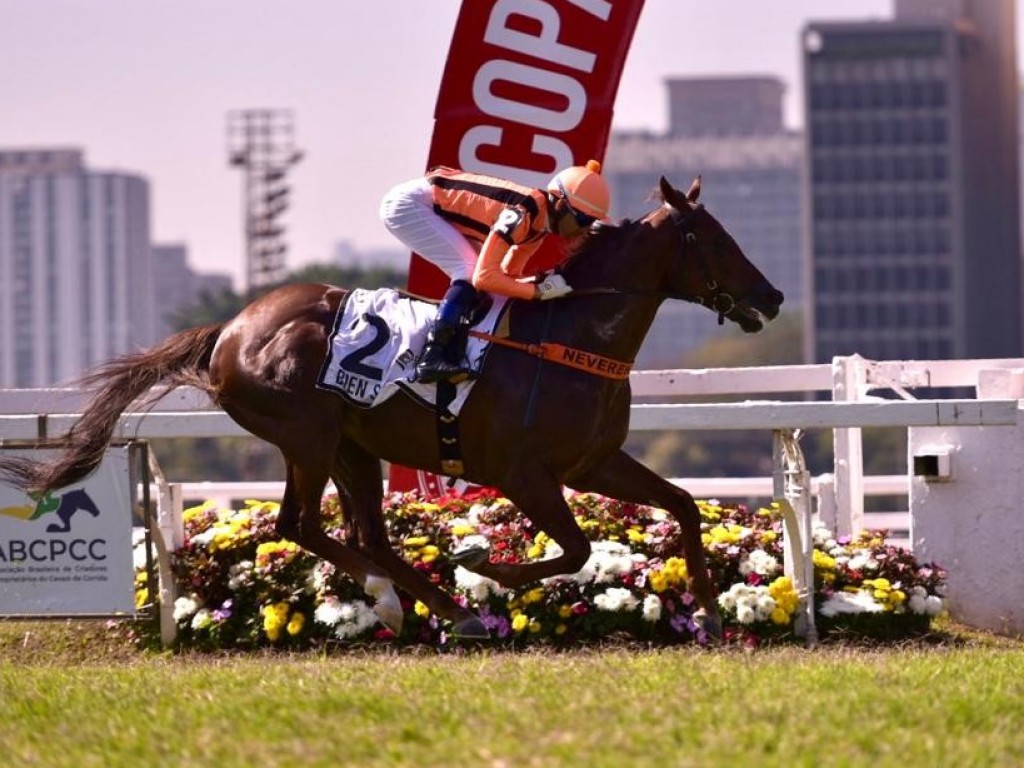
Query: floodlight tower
pixel 262 143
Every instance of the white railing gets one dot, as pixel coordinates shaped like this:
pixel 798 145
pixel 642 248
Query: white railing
pixel 29 415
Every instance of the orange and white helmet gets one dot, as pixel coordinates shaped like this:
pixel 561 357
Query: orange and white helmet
pixel 584 189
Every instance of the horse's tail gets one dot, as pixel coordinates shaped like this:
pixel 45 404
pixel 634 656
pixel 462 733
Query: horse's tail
pixel 181 359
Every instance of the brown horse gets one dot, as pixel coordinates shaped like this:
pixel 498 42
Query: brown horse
pixel 528 428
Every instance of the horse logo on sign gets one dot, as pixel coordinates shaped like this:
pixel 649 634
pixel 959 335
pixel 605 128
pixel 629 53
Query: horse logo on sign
pixel 65 505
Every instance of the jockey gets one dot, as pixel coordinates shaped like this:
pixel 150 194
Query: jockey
pixel 483 232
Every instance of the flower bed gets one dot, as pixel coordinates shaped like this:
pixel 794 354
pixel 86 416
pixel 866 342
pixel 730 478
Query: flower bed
pixel 245 587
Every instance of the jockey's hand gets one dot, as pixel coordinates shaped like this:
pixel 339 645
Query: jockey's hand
pixel 552 286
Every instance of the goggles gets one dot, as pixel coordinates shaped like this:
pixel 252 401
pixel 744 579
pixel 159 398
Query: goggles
pixel 583 219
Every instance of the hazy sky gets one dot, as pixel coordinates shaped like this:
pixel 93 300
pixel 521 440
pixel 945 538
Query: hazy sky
pixel 144 86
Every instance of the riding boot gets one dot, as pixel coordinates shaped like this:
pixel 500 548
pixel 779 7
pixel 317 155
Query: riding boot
pixel 443 357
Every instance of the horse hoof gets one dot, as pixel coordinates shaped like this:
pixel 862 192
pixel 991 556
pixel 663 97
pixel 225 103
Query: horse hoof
pixel 470 557
pixel 470 629
pixel 386 604
pixel 710 623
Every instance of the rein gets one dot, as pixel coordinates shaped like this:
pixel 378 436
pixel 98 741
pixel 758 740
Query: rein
pixel 590 362
pixel 717 299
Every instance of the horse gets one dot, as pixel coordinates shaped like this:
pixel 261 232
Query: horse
pixel 529 427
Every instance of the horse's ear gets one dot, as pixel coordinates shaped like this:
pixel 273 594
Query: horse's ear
pixel 694 192
pixel 670 194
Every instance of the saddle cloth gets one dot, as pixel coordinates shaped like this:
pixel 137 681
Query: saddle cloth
pixel 377 337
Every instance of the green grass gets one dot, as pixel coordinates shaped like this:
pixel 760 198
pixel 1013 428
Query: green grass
pixel 69 696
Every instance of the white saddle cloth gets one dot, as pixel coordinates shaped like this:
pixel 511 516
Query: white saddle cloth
pixel 377 337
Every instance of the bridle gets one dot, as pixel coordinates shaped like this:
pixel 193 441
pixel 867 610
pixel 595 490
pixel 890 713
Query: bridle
pixel 716 298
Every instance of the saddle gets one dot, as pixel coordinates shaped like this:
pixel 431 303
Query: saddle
pixel 372 351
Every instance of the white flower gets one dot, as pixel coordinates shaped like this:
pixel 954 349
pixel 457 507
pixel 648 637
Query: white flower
pixel 185 607
pixel 202 619
pixel 616 599
pixel 328 612
pixel 759 562
pixel 348 619
pixel 356 618
pixel 846 602
pixel 823 537
pixel 923 603
pixel 240 575
pixel 652 608
pixel 474 513
pixel 933 605
pixel 862 561
pixel 477 587
pixel 749 603
pixel 607 560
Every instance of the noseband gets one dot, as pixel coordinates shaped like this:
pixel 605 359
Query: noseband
pixel 717 299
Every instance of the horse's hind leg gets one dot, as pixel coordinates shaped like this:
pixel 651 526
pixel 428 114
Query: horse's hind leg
pixel 300 520
pixel 623 477
pixel 357 476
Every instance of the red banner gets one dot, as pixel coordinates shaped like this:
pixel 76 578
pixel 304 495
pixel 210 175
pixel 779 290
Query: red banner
pixel 528 89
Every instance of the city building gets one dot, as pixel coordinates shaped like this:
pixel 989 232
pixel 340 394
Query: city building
pixel 179 286
pixel 729 131
pixel 913 211
pixel 76 284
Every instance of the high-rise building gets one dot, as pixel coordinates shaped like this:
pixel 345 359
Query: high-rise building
pixel 75 266
pixel 729 131
pixel 179 286
pixel 912 220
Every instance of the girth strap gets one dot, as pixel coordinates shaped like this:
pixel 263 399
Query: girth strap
pixel 590 362
pixel 449 446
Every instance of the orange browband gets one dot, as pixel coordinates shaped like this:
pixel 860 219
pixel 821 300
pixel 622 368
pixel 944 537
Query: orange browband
pixel 598 365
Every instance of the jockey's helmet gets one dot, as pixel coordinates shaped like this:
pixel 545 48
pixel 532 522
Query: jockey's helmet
pixel 584 189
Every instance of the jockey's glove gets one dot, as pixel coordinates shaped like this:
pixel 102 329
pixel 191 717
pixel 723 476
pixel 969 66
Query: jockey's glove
pixel 552 286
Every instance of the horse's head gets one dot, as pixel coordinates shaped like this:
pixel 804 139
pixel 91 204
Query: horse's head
pixel 713 270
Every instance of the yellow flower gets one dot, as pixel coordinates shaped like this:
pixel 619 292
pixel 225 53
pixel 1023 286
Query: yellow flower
pixel 561 629
pixel 768 537
pixel 779 616
pixel 414 542
pixel 824 562
pixel 785 596
pixel 636 536
pixel 533 596
pixel 298 621
pixel 565 611
pixel 421 610
pixel 463 529
pixel 268 550
pixel 141 597
pixel 535 626
pixel 897 596
pixel 520 622
pixel 275 617
pixel 658 581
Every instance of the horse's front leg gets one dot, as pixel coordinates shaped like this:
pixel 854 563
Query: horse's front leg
pixel 539 497
pixel 624 478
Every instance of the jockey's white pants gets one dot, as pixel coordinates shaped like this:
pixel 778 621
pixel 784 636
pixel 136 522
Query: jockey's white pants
pixel 407 211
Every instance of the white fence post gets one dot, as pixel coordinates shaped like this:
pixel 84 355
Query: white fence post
pixel 793 494
pixel 847 377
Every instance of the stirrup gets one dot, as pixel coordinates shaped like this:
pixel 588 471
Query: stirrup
pixel 443 371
